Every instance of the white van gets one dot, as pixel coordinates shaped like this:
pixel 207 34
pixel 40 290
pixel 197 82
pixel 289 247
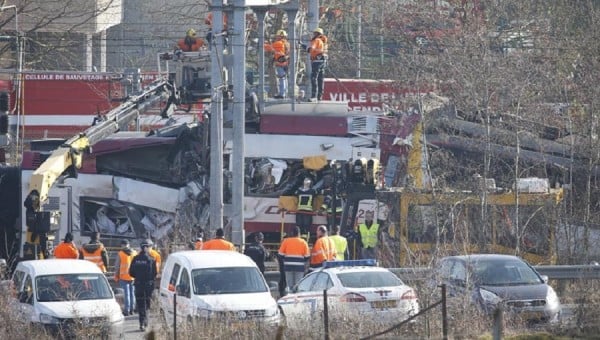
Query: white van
pixel 69 298
pixel 214 284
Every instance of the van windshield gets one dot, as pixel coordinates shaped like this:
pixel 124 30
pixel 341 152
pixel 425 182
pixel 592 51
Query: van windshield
pixel 72 287
pixel 229 280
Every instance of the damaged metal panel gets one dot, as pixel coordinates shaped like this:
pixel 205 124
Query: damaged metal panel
pixel 154 196
pixel 296 146
pixel 120 207
pixel 172 157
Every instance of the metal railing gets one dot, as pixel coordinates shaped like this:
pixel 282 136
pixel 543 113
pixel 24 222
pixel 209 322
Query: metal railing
pixel 554 272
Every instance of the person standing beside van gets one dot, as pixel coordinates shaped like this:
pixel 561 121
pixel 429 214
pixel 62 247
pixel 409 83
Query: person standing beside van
pixel 94 251
pixel 219 242
pixel 143 271
pixel 122 263
pixel 66 249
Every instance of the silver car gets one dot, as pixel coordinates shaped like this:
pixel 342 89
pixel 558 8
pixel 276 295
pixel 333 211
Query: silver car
pixel 493 280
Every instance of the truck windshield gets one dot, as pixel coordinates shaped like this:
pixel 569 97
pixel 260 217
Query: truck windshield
pixel 230 280
pixel 72 287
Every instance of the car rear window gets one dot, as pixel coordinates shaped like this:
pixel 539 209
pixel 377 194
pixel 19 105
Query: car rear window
pixel 369 279
pixel 229 280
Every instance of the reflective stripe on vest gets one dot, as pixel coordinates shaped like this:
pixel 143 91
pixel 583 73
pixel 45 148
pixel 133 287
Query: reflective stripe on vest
pixel 305 202
pixel 95 257
pixel 125 263
pixel 369 235
pixel 340 245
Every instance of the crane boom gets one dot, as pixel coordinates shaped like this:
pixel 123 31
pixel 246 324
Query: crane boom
pixel 68 157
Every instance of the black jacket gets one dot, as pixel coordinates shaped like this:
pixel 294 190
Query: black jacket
pixel 257 252
pixel 143 269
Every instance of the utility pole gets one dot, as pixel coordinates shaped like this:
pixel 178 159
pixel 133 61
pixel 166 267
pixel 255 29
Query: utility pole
pixel 216 119
pixel 239 120
pixel 260 16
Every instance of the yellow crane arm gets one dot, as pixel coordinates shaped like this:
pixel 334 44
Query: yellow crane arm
pixel 53 167
pixel 67 158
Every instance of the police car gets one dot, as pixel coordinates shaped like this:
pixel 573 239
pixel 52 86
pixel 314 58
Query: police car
pixel 357 291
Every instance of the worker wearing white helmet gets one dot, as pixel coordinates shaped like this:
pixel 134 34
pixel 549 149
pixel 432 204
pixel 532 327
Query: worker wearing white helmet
pixel 318 58
pixel 281 55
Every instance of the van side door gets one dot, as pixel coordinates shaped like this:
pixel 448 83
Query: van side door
pixel 25 298
pixel 185 306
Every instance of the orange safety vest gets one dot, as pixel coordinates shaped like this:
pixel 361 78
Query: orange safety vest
pixel 281 50
pixel 294 246
pixel 318 47
pixel 218 244
pixel 66 251
pixel 196 44
pixel 321 251
pixel 125 263
pixel 198 245
pixel 95 257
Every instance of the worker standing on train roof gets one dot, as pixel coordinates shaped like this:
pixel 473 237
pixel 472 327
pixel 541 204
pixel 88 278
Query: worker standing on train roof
pixel 281 56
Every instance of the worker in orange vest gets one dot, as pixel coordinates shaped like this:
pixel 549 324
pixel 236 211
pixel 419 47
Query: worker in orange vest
pixel 318 60
pixel 122 263
pixel 293 253
pixel 219 242
pixel 281 55
pixel 190 43
pixel 66 249
pixel 94 251
pixel 323 249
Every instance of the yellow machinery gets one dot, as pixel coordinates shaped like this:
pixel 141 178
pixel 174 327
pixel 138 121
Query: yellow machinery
pixel 420 194
pixel 411 247
pixel 66 159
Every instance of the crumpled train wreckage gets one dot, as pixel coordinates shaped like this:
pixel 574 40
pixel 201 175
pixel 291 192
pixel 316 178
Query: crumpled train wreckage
pixel 145 184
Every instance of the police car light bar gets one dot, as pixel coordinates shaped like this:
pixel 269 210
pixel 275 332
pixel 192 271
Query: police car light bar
pixel 350 263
